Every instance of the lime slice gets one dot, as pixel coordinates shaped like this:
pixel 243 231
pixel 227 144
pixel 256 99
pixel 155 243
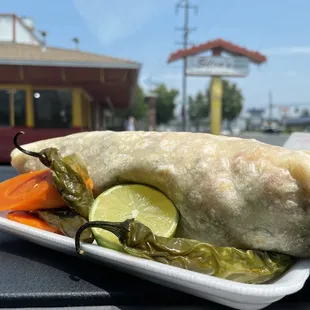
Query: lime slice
pixel 143 203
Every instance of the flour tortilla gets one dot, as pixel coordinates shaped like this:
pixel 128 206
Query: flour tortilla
pixel 229 191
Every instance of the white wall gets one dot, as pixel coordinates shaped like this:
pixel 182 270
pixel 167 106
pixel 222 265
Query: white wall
pixel 22 34
pixel 6 28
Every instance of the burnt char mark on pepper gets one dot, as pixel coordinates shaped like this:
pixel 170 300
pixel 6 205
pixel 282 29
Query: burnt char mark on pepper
pixel 44 160
pixel 246 266
pixel 120 229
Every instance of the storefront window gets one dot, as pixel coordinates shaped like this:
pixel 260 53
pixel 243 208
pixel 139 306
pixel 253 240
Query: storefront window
pixel 4 108
pixel 20 107
pixel 52 108
pixel 85 111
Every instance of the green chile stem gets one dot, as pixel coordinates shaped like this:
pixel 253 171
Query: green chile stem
pixel 120 229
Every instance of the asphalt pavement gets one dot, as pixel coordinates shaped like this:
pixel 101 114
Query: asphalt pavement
pixel 7 172
pixel 274 139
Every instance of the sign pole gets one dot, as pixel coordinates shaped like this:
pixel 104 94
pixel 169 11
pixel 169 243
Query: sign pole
pixel 216 105
pixel 217 66
pixel 216 100
pixel 184 97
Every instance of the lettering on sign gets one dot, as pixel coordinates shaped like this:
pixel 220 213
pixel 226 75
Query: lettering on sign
pixel 217 66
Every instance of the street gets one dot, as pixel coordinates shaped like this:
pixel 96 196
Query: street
pixel 274 139
pixel 7 172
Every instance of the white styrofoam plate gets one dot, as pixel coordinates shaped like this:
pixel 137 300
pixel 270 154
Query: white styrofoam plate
pixel 225 292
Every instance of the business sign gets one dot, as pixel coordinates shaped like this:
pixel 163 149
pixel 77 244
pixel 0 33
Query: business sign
pixel 217 66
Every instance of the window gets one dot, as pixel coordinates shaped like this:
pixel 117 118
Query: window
pixel 4 108
pixel 52 108
pixel 20 107
pixel 86 116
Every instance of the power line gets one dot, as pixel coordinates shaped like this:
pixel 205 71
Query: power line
pixel 186 30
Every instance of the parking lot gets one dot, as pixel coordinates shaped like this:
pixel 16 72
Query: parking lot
pixel 274 139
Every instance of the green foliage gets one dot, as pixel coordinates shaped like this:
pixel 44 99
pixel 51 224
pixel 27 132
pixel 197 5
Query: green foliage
pixel 198 109
pixel 232 100
pixel 140 108
pixel 165 103
pixel 199 105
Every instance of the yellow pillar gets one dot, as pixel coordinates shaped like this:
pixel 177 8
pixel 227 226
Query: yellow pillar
pixel 85 112
pixel 216 105
pixel 77 119
pixel 90 121
pixel 12 108
pixel 29 107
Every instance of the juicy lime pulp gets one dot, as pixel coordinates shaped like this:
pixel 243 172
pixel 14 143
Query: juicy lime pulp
pixel 141 202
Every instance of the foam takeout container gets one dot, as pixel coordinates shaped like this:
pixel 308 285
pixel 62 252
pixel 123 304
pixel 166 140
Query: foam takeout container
pixel 229 293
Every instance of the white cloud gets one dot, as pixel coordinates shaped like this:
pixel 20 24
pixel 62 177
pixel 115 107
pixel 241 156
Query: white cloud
pixel 287 50
pixel 110 21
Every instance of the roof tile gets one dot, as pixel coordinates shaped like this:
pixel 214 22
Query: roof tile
pixel 13 51
pixel 254 56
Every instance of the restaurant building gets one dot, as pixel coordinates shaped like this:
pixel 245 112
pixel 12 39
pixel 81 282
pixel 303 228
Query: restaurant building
pixel 49 92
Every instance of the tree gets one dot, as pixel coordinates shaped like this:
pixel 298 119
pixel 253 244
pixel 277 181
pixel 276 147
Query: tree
pixel 139 109
pixel 232 100
pixel 198 109
pixel 165 103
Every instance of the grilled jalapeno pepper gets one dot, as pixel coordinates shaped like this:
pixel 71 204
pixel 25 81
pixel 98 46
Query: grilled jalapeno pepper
pixel 70 177
pixel 67 221
pixel 245 266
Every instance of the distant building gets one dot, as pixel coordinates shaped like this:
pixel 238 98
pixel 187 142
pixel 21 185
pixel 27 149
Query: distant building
pixel 49 92
pixel 271 124
pixel 300 124
pixel 256 119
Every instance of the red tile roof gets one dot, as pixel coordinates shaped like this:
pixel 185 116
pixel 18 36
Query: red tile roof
pixel 221 44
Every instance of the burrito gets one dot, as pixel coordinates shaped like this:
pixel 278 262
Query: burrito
pixel 229 191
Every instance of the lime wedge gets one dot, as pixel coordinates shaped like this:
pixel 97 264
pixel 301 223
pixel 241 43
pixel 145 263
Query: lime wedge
pixel 143 203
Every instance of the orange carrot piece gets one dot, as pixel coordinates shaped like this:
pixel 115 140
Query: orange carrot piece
pixel 90 183
pixel 29 192
pixel 31 220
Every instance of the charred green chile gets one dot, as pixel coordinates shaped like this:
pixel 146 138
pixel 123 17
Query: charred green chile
pixel 69 175
pixel 229 263
pixel 67 221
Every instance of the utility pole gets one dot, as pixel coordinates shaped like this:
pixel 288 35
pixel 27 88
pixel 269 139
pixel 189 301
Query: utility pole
pixel 270 107
pixel 185 4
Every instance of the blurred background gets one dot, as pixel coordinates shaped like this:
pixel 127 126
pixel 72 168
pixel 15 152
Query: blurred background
pixel 71 66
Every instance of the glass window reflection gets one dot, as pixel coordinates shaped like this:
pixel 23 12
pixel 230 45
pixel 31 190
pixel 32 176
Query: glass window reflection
pixel 52 108
pixel 20 107
pixel 4 108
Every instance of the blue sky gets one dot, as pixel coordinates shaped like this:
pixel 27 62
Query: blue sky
pixel 143 30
